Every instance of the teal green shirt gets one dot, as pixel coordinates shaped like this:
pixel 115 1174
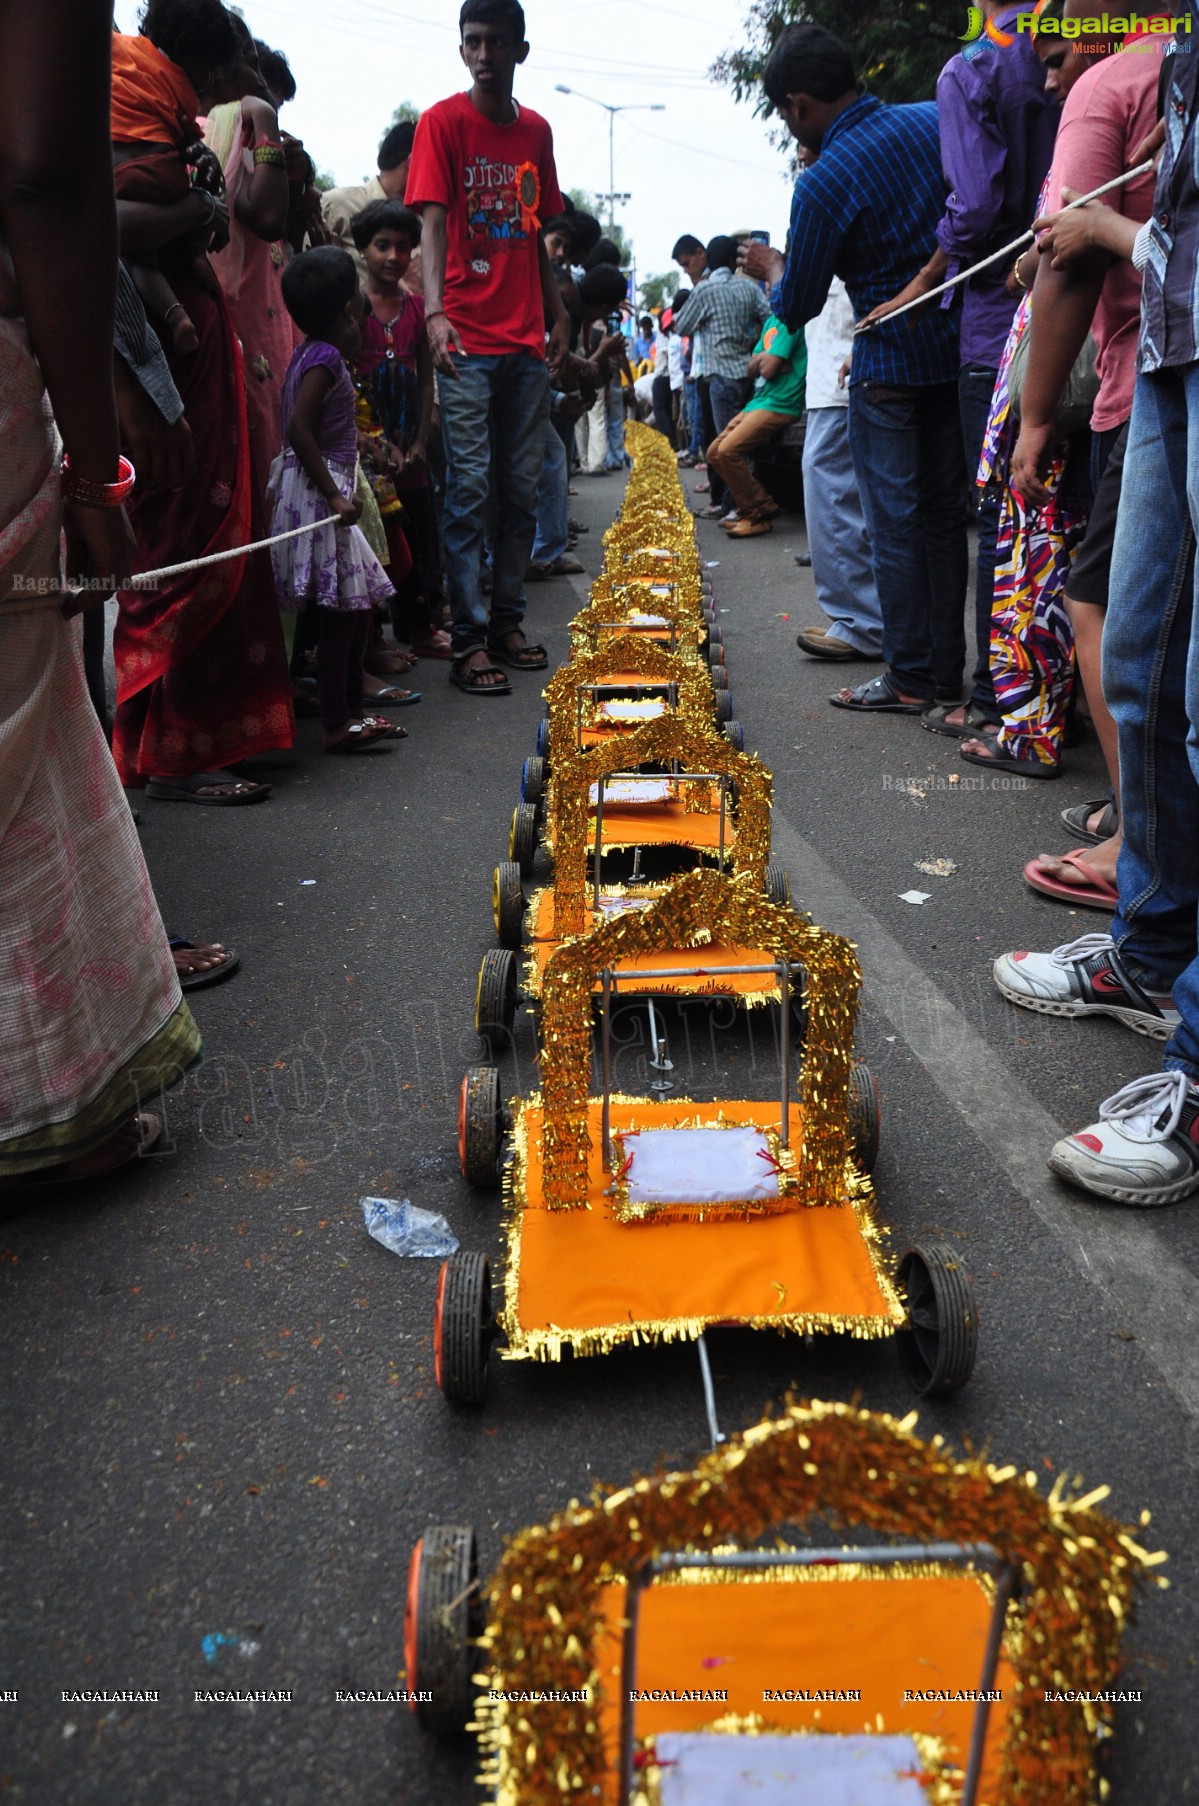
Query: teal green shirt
pixel 785 395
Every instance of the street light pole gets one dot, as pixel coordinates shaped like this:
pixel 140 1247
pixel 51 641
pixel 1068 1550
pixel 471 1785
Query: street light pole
pixel 656 106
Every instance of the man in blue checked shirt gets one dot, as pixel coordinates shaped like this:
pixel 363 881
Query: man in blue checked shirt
pixel 867 210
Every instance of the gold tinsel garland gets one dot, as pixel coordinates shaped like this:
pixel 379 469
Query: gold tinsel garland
pixel 661 742
pixel 859 1470
pixel 701 907
pixel 638 656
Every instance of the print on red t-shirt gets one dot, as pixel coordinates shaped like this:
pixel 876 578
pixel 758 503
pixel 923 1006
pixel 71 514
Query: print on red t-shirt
pixel 473 168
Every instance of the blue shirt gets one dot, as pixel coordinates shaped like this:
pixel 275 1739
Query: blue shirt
pixel 997 129
pixel 1170 277
pixel 867 211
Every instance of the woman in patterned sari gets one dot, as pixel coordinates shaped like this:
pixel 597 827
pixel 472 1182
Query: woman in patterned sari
pixel 91 1017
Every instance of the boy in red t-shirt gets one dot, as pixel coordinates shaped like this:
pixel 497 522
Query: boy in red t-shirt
pixel 482 176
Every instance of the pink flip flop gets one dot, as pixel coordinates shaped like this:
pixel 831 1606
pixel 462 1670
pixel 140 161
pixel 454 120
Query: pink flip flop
pixel 1094 893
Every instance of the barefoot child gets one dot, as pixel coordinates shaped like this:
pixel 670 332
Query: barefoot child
pixel 156 142
pixel 314 477
pixel 395 376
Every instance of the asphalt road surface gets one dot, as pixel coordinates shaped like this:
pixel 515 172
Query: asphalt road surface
pixel 221 1432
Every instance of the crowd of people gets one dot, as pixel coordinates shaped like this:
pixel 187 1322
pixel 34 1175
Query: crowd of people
pixel 386 390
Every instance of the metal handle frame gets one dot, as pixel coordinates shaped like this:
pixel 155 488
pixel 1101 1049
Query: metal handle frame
pixel 963 1555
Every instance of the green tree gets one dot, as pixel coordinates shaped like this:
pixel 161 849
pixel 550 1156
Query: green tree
pixel 898 49
pixel 656 291
pixel 588 203
pixel 407 113
pixel 325 180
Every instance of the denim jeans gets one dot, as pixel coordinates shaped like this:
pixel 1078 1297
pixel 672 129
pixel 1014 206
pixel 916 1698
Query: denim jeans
pixel 615 457
pixel 976 385
pixel 1151 683
pixel 907 453
pixel 553 509
pixel 693 417
pixel 837 537
pixel 510 393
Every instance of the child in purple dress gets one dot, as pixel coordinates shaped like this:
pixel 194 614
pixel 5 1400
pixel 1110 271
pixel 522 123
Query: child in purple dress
pixel 314 479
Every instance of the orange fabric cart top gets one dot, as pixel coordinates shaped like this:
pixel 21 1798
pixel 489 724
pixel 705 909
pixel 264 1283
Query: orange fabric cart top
pixel 575 1271
pixel 810 1630
pixel 543 945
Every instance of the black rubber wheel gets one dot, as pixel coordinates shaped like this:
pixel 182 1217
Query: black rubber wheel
pixel 715 654
pixel 522 837
pixel 508 905
pixel 724 705
pixel 442 1624
pixel 480 1127
pixel 715 637
pixel 720 677
pixel 532 782
pixel 778 884
pixel 495 998
pixel 734 733
pixel 864 1120
pixel 463 1328
pixel 543 739
pixel 940 1342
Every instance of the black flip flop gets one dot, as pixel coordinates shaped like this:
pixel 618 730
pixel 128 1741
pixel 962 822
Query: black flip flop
pixel 878 697
pixel 974 726
pixel 197 981
pixel 999 760
pixel 186 790
pixel 1075 819
pixel 514 662
pixel 461 675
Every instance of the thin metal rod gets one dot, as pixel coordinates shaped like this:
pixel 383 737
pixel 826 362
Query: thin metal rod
pixel 784 972
pixel 642 972
pixel 966 1555
pixel 1017 244
pixel 978 1731
pixel 705 1368
pixel 653 1028
pixel 606 1047
pixel 723 809
pixel 599 841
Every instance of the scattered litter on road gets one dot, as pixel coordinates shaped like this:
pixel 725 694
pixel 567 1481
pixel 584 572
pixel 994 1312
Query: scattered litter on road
pixel 710 564
pixel 405 1229
pixel 307 880
pixel 937 868
pixel 914 896
pixel 215 1641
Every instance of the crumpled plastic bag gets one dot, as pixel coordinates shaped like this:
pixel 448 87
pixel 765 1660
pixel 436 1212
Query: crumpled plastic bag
pixel 406 1229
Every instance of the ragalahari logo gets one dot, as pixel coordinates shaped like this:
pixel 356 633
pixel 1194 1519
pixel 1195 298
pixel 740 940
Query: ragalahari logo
pixel 978 26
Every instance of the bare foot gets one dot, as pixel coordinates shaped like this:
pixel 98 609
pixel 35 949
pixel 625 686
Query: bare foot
pixel 204 958
pixel 356 731
pixel 1099 861
pixel 480 661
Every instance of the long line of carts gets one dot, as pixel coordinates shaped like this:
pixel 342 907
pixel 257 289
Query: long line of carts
pixel 638 869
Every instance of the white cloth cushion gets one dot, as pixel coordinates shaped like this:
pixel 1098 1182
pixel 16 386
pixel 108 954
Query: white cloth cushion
pixel 633 790
pixel 649 710
pixel 699 1166
pixel 714 1770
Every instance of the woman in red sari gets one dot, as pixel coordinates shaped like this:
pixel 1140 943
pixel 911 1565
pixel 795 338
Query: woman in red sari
pixel 202 679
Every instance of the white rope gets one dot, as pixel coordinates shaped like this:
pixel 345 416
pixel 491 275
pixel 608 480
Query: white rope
pixel 145 579
pixel 1017 244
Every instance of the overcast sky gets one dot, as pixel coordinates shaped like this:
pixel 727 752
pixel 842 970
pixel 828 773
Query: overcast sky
pixel 705 165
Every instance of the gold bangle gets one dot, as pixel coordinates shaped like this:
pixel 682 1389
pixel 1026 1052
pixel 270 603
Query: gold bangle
pixel 271 154
pixel 1020 282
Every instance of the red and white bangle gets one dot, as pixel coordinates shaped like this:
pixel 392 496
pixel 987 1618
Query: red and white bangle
pixel 89 494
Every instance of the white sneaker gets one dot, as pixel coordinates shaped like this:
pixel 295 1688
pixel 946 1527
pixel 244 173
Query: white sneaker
pixel 1145 1147
pixel 1084 978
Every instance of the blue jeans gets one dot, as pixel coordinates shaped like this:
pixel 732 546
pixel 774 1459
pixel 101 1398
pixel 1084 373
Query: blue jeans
pixel 615 457
pixel 691 411
pixel 1151 683
pixel 976 385
pixel 837 537
pixel 507 396
pixel 907 452
pixel 727 396
pixel 553 509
